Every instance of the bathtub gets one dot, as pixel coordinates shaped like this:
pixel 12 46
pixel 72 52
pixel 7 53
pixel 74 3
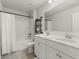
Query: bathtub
pixel 22 44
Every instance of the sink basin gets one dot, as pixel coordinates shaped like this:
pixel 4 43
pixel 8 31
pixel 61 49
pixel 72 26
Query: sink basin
pixel 66 40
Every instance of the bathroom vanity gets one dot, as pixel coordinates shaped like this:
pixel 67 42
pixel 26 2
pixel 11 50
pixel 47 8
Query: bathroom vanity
pixel 47 47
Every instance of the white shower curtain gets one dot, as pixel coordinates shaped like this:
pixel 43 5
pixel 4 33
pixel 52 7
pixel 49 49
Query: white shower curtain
pixel 8 33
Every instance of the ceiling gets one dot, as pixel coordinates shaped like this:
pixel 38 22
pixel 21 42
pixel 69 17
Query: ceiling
pixel 23 5
pixel 28 5
pixel 66 5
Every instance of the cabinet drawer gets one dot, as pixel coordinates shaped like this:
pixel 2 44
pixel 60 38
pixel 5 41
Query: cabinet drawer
pixel 56 54
pixel 64 49
pixel 64 56
pixel 42 40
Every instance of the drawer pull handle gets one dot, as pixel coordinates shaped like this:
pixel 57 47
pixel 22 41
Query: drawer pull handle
pixel 60 56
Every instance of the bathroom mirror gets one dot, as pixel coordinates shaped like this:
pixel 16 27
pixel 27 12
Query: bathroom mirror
pixel 59 22
pixel 63 18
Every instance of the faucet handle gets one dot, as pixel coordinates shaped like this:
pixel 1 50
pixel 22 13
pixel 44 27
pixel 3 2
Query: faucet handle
pixel 69 36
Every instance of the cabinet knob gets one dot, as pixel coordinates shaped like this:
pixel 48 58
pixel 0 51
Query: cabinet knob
pixel 57 54
pixel 60 56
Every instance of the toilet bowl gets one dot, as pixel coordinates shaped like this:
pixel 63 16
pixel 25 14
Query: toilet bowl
pixel 30 47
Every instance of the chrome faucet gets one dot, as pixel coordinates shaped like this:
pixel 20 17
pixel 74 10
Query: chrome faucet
pixel 69 36
pixel 48 33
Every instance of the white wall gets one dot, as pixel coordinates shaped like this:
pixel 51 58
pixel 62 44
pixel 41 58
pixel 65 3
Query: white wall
pixel 22 27
pixel 62 21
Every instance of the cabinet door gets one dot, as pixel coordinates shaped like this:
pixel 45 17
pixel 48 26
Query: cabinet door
pixel 42 51
pixel 36 47
pixel 51 53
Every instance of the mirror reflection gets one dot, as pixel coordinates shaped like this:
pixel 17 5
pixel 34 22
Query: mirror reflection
pixel 63 19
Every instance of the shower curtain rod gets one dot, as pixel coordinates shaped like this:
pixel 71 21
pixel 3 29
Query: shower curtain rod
pixel 15 14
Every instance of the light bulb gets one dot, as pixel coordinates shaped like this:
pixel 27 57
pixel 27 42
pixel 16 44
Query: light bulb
pixel 50 1
pixel 37 29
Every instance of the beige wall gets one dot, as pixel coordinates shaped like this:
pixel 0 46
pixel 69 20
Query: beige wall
pixel 62 21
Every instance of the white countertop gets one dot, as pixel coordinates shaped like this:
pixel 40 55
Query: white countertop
pixel 74 44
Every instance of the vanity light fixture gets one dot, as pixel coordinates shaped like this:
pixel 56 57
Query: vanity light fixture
pixel 50 1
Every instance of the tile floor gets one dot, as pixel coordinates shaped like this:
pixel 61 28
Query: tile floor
pixel 19 55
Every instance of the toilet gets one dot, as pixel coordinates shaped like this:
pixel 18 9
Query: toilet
pixel 30 47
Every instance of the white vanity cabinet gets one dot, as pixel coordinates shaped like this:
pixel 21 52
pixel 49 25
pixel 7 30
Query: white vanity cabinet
pixel 40 48
pixel 49 49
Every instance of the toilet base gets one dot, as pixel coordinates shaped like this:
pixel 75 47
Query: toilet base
pixel 30 46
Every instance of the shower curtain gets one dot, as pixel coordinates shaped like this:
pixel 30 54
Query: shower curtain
pixel 8 33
